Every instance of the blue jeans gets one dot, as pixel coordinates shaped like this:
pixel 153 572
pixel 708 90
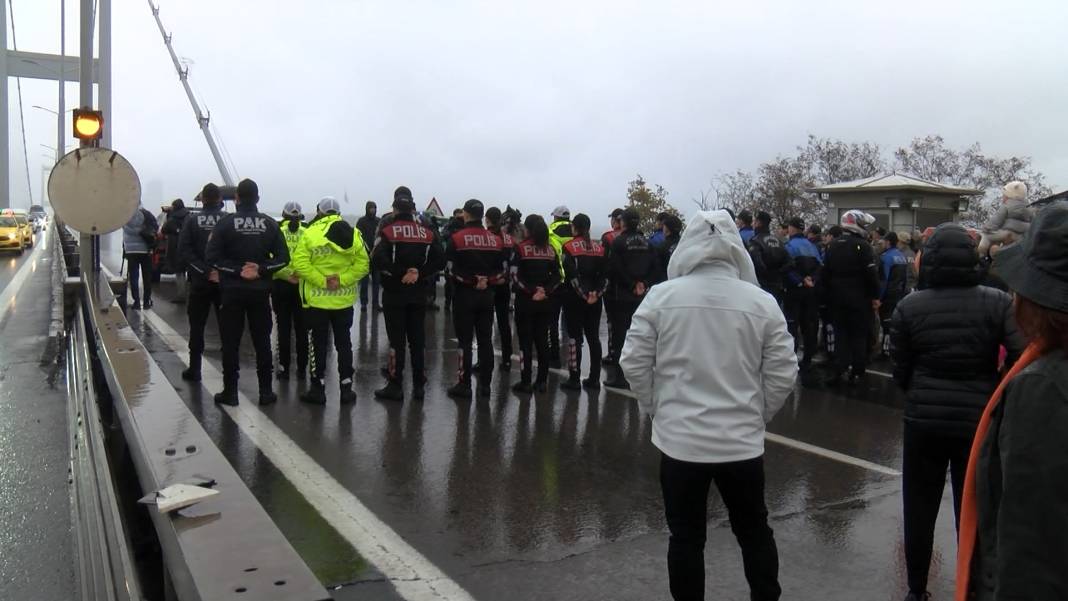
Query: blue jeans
pixel 371 277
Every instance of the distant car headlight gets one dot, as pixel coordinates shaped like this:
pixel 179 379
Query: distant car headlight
pixel 11 236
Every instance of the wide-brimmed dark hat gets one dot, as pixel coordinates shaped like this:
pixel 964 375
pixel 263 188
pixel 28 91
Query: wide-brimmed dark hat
pixel 1037 266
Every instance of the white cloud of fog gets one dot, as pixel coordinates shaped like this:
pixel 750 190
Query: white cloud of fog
pixel 550 102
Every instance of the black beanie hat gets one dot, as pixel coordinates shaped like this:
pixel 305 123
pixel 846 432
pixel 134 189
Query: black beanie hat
pixel 248 191
pixel 474 208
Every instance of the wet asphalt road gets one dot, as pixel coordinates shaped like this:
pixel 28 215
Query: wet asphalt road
pixel 36 545
pixel 556 496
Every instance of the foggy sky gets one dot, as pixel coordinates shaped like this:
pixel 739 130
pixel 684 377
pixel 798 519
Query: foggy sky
pixel 548 102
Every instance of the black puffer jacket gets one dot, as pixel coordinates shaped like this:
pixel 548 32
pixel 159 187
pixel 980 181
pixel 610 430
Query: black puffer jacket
pixel 946 338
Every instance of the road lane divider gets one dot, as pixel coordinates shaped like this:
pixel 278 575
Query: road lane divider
pixel 413 576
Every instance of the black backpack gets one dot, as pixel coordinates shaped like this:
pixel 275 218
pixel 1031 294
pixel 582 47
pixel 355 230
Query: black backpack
pixel 149 225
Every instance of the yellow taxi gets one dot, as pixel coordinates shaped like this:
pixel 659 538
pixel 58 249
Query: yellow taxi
pixel 22 217
pixel 11 237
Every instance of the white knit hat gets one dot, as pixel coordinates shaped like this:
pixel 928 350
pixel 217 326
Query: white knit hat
pixel 1015 191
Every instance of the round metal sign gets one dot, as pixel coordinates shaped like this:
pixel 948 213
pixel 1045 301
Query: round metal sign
pixel 94 190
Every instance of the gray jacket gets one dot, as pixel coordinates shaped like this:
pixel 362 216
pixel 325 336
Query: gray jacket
pixel 1012 216
pixel 132 242
pixel 1022 490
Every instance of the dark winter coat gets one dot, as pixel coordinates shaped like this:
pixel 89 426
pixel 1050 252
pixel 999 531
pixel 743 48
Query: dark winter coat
pixel 1022 489
pixel 172 229
pixel 946 338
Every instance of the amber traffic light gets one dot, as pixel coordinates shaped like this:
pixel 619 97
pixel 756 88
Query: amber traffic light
pixel 88 125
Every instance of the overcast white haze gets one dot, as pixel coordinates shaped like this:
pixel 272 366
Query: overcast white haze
pixel 540 103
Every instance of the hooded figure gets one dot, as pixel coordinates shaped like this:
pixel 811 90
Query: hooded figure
pixel 172 228
pixel 709 415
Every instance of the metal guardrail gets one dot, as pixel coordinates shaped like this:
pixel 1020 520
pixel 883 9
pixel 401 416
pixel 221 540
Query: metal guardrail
pixel 223 548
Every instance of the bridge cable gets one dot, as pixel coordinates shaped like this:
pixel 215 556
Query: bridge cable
pixel 22 114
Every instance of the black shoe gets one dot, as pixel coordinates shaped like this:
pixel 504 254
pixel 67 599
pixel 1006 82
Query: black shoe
pixel 147 304
pixel 541 387
pixel 316 395
pixel 267 398
pixel 617 382
pixel 460 391
pixel 191 375
pixel 136 305
pixel 591 384
pixel 226 397
pixel 392 392
pixel 283 374
pixel 522 387
pixel 348 395
pixel 918 597
pixel 571 384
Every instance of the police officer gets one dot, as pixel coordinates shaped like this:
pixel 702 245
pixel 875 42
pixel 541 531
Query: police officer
pixel 502 294
pixel 285 299
pixel 559 235
pixel 585 271
pixel 246 248
pixel 851 283
pixel 454 225
pixel 893 284
pixel 769 257
pixel 616 221
pixel 475 261
pixel 408 256
pixel 368 226
pixel 535 272
pixel 632 267
pixel 801 302
pixel 203 279
pixel 330 259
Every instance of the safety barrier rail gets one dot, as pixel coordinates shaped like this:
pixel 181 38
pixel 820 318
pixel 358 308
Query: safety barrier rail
pixel 224 548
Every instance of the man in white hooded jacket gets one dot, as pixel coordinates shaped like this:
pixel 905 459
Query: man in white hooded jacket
pixel 709 358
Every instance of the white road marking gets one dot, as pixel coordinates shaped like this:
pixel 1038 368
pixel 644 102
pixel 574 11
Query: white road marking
pixel 414 576
pixel 776 438
pixel 7 297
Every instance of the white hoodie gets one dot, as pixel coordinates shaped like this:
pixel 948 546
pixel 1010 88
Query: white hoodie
pixel 708 354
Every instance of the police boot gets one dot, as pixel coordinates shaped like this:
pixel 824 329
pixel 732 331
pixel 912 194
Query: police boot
pixel 267 396
pixel 316 394
pixel 227 397
pixel 572 382
pixel 192 373
pixel 460 391
pixel 592 383
pixel 348 395
pixel 392 392
pixel 418 388
pixel 616 380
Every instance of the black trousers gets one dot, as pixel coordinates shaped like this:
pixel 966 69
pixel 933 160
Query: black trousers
pixel 803 320
pixel 472 318
pixel 502 297
pixel 202 298
pixel 237 306
pixel 139 267
pixel 322 323
pixel 610 318
pixel 288 312
pixel 405 327
pixel 741 484
pixel 623 313
pixel 583 319
pixel 852 327
pixel 532 327
pixel 557 308
pixel 926 459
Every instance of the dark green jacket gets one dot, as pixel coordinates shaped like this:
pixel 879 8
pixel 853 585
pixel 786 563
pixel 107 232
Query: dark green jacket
pixel 1022 490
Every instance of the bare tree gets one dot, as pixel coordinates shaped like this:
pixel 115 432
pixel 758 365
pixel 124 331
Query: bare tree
pixel 735 191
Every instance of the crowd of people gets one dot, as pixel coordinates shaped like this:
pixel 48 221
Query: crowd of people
pixel 983 371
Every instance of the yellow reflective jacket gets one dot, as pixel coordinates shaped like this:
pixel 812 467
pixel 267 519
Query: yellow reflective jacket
pixel 557 239
pixel 330 246
pixel 292 239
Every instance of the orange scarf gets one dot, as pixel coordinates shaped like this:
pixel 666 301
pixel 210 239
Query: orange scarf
pixel 969 512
